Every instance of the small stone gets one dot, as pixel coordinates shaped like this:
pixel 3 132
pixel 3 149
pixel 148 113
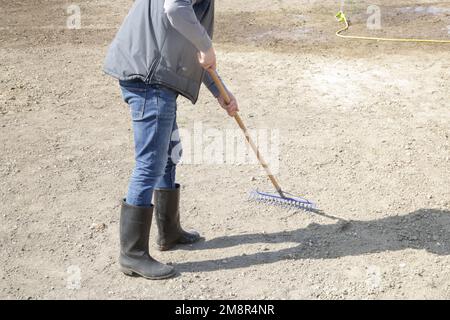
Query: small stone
pixel 98 227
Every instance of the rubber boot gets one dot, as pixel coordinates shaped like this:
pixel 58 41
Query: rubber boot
pixel 167 214
pixel 135 223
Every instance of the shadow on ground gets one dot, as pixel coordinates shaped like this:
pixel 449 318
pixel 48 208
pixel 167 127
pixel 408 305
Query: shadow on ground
pixel 425 229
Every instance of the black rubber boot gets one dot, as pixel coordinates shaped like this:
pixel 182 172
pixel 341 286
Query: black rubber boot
pixel 167 214
pixel 135 223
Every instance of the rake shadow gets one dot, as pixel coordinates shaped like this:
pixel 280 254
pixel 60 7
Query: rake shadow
pixel 427 229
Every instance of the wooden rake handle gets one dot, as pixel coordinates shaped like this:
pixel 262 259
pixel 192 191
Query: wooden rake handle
pixel 226 97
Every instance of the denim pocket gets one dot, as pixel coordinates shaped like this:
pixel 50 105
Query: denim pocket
pixel 135 95
pixel 167 102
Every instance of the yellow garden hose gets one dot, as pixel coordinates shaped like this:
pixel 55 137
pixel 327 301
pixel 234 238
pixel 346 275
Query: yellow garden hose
pixel 341 18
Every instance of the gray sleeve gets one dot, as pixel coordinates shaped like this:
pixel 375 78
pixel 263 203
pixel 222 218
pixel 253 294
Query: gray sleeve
pixel 209 83
pixel 182 17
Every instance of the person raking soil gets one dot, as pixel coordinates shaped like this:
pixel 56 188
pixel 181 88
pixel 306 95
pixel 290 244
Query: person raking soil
pixel 161 51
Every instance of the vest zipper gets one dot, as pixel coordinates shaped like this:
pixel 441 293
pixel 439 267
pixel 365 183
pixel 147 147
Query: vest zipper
pixel 150 74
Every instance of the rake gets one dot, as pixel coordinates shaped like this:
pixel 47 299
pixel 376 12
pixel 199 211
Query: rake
pixel 282 198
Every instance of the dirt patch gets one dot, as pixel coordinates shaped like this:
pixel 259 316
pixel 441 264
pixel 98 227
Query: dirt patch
pixel 363 131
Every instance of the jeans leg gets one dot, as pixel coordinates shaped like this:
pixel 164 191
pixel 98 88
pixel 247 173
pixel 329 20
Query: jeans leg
pixel 167 181
pixel 153 113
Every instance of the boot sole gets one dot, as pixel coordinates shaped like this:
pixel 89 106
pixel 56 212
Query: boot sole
pixel 174 244
pixel 166 248
pixel 133 273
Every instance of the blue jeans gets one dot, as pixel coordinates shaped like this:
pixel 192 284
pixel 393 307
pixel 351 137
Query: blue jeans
pixel 153 111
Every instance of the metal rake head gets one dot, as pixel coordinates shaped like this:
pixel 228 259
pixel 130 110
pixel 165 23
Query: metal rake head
pixel 288 201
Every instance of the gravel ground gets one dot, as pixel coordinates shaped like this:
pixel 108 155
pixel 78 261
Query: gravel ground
pixel 362 129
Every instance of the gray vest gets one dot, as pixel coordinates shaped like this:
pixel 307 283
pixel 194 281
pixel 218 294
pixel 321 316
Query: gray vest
pixel 147 47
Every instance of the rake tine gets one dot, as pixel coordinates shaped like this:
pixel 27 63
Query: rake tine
pixel 288 201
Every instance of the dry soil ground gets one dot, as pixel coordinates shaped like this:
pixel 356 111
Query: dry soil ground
pixel 363 130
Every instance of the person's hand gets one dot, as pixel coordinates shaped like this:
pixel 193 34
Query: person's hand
pixel 232 108
pixel 207 59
